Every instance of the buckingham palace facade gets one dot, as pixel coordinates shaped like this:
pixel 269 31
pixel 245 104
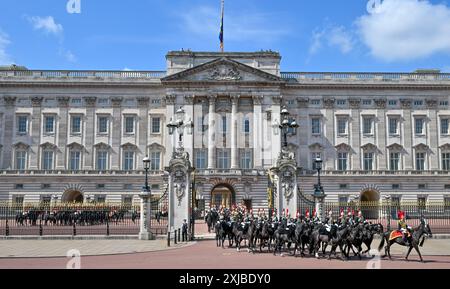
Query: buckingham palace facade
pixel 81 135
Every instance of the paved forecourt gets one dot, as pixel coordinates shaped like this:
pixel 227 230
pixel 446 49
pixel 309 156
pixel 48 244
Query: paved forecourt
pixel 205 255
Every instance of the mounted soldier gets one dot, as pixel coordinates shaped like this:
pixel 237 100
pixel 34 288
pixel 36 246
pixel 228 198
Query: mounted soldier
pixel 403 227
pixel 341 220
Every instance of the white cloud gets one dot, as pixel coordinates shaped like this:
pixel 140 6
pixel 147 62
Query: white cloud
pixel 332 36
pixel 47 24
pixel 404 30
pixel 5 59
pixel 205 21
pixel 70 56
pixel 127 69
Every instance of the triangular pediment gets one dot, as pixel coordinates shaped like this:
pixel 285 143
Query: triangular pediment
pixel 222 70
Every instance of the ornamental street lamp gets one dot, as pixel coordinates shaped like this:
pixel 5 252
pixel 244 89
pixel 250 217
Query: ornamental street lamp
pixel 319 194
pixel 146 162
pixel 286 124
pixel 179 125
pixel 145 233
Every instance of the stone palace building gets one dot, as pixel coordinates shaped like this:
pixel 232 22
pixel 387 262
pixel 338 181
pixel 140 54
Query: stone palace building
pixel 81 135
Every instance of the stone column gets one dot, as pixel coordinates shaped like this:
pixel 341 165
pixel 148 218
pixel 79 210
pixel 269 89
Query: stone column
pixel 276 133
pixel 381 133
pixel 257 131
pixel 143 129
pixel 188 139
pixel 212 133
pixel 407 133
pixel 144 231
pixel 433 135
pixel 170 140
pixel 34 153
pixel 90 132
pixel 10 117
pixel 116 132
pixel 234 129
pixel 330 150
pixel 63 130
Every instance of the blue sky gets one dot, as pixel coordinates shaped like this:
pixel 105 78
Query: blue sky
pixel 319 35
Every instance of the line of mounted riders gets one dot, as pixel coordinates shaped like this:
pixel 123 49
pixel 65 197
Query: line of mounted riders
pixel 68 217
pixel 295 235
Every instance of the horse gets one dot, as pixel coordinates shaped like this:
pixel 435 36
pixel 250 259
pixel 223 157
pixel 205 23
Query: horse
pixel 422 229
pixel 320 236
pixel 264 235
pixel 282 236
pixel 338 237
pixel 355 239
pixel 302 230
pixel 368 233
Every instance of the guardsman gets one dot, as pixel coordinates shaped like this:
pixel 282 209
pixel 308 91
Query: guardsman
pixel 341 217
pixel 403 227
pixel 307 215
pixel 360 219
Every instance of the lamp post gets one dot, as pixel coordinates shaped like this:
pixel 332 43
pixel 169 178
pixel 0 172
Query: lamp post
pixel 319 194
pixel 388 225
pixel 179 125
pixel 286 124
pixel 144 233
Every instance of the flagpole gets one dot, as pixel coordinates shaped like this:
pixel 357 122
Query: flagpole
pixel 221 27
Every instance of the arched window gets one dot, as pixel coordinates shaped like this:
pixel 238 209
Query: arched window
pixel 395 157
pixel 75 156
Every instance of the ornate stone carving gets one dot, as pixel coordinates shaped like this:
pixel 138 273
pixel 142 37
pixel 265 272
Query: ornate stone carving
pixel 257 99
pixel 303 102
pixel 36 100
pixel 431 103
pixel 406 103
pixel 329 102
pixel 10 100
pixel 354 102
pixel 380 103
pixel 63 101
pixel 117 101
pixel 90 101
pixel 170 99
pixel 224 73
pixel 179 184
pixel 276 99
pixel 189 99
pixel 143 101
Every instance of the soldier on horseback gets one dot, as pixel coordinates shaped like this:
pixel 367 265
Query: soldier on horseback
pixel 403 227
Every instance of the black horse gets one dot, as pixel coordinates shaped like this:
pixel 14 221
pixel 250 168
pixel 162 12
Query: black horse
pixel 413 242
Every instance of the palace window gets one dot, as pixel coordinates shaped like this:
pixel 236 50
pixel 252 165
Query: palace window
pixel 155 158
pixel 76 124
pixel 392 102
pixel 21 160
pixel 342 126
pixel 129 124
pixel 156 125
pixel 315 102
pixel 368 161
pixel 223 159
pixel 420 161
pixel 47 160
pixel 368 125
pixel 393 126
pixel 102 160
pixel 444 126
pixel 367 102
pixel 224 124
pixel 22 124
pixel 201 127
pixel 128 160
pixel 418 102
pixel 74 161
pixel 315 125
pixel 341 102
pixel 246 159
pixel 419 126
pixel 103 124
pixel 394 161
pixel 49 124
pixel 446 161
pixel 200 158
pixel 342 161
pixel 246 125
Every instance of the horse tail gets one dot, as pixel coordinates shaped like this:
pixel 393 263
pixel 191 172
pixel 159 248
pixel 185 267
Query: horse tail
pixel 381 243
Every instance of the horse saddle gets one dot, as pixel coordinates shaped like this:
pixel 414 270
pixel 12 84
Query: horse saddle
pixel 397 234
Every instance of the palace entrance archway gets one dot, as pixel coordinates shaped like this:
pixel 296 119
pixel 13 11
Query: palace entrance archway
pixel 72 196
pixel 222 195
pixel 369 201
